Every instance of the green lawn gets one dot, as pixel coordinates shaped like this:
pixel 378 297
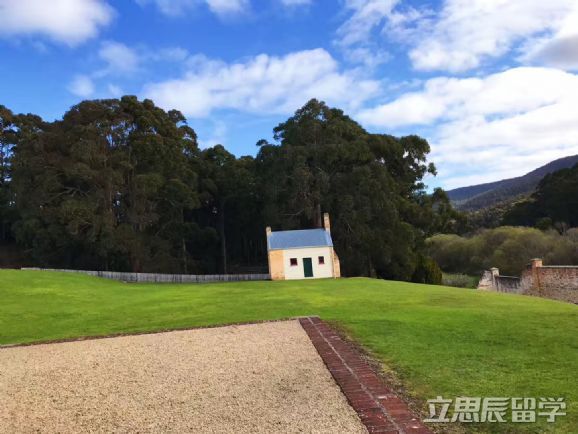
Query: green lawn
pixel 438 340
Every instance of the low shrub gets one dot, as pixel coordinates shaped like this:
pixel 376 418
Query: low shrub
pixel 507 248
pixel 459 280
pixel 427 271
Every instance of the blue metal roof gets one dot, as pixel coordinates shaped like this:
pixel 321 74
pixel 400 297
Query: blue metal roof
pixel 298 239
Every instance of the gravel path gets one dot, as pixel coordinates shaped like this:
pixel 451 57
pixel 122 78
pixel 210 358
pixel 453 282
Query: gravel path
pixel 259 378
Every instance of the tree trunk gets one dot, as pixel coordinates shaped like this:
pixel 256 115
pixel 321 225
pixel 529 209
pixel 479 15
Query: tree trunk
pixel 184 247
pixel 318 220
pixel 221 229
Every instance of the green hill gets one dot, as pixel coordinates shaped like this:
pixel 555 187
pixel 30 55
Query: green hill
pixel 436 340
pixel 480 196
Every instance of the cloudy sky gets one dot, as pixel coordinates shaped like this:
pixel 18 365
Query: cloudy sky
pixel 492 84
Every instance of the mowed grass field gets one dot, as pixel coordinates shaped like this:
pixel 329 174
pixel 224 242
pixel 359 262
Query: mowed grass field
pixel 438 341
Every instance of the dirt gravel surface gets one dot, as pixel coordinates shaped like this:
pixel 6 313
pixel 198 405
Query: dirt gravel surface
pixel 258 378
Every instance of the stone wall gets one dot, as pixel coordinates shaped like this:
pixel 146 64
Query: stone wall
pixel 509 284
pixel 492 281
pixel 556 282
pixel 486 281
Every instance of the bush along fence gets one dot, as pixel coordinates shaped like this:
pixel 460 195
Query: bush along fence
pixel 558 282
pixel 163 278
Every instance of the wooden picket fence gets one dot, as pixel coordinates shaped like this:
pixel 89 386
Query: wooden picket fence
pixel 163 278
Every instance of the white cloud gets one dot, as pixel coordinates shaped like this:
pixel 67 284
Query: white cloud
pixel 114 90
pixel 370 23
pixel 510 92
pixel 561 52
pixel 365 16
pixel 559 49
pixel 218 135
pixel 171 7
pixel 296 2
pixel 81 86
pixel 68 21
pixel 119 58
pixel 120 62
pixel 263 84
pixel 462 34
pixel 171 54
pixel 501 125
pixel 225 8
pixel 222 8
pixel 366 56
pixel 466 32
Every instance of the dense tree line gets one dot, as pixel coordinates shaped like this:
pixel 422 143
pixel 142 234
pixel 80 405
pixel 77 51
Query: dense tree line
pixel 7 140
pixel 553 204
pixel 122 185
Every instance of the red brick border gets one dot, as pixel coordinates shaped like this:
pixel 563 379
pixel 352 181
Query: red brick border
pixel 378 407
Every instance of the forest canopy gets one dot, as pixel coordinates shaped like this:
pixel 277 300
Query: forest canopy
pixel 121 184
pixel 553 204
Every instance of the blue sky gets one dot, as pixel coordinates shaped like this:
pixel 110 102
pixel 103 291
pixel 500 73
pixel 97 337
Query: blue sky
pixel 491 84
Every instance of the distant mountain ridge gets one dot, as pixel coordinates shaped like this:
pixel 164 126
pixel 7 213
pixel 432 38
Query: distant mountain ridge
pixel 480 196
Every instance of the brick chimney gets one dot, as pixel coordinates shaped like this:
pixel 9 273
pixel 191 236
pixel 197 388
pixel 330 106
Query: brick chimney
pixel 326 223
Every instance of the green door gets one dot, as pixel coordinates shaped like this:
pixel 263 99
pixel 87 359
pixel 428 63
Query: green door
pixel 307 267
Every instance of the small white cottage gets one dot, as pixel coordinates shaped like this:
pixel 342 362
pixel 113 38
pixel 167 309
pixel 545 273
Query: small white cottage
pixel 302 254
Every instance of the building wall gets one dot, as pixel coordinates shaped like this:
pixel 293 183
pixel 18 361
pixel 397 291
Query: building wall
pixel 336 264
pixel 276 265
pixel 297 272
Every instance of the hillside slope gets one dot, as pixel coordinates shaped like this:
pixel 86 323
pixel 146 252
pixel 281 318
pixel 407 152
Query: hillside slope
pixel 480 196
